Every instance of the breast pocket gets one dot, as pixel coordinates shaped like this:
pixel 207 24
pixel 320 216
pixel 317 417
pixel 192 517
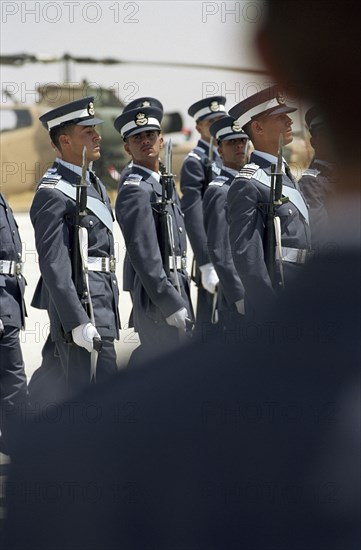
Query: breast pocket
pixel 289 217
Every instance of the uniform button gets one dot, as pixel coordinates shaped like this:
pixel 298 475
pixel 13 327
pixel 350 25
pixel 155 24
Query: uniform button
pixel 114 282
pixel 13 232
pixel 91 223
pixel 289 211
pixel 181 230
pixel 19 254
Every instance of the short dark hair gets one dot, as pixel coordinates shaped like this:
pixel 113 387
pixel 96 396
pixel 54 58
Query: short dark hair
pixel 56 132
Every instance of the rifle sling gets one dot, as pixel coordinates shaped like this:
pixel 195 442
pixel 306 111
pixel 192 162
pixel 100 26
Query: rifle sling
pixel 94 205
pixel 294 196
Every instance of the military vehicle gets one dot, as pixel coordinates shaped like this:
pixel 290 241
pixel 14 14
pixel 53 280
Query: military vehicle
pixel 25 152
pixel 24 144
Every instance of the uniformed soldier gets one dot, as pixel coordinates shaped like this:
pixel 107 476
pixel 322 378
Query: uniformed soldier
pixel 318 181
pixel 232 144
pixel 161 301
pixel 200 167
pixel 12 318
pixel 128 271
pixel 53 211
pixel 264 118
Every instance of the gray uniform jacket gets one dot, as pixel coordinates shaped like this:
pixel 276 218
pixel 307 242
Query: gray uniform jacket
pixel 128 271
pixel 137 212
pixel 215 223
pixel 12 286
pixel 246 219
pixel 193 182
pixel 53 217
pixel 317 184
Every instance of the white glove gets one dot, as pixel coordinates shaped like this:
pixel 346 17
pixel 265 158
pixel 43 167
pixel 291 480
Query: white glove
pixel 83 336
pixel 209 277
pixel 240 306
pixel 178 319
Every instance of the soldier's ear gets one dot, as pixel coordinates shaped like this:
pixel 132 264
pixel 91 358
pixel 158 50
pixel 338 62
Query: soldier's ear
pixel 161 140
pixel 126 148
pixel 256 127
pixel 64 140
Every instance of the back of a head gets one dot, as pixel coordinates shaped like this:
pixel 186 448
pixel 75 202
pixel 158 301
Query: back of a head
pixel 312 49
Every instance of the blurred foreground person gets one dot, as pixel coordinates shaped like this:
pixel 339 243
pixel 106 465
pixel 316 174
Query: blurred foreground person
pixel 241 446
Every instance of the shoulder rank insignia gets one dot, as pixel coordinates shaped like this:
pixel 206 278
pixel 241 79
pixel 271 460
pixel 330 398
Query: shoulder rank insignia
pixel 49 180
pixel 311 172
pixel 194 155
pixel 248 171
pixel 133 179
pixel 216 169
pixel 219 180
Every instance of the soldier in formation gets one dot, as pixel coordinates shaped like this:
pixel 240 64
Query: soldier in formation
pixel 13 387
pixel 318 181
pixel 264 118
pixel 199 168
pixel 148 212
pixel 232 144
pixel 75 245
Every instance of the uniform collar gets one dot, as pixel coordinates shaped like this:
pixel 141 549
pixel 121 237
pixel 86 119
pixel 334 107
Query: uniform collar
pixel 155 175
pixel 270 158
pixel 74 168
pixel 229 171
pixel 328 165
pixel 205 145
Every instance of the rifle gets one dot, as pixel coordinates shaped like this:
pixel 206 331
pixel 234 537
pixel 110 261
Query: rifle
pixel 166 235
pixel 80 257
pixel 272 234
pixel 208 177
pixel 208 166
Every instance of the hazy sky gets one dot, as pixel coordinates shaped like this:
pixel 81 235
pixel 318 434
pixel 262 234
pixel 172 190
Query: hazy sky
pixel 214 33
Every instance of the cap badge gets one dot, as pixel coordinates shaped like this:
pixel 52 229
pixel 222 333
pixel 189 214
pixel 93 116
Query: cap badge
pixel 214 106
pixel 236 127
pixel 141 119
pixel 146 104
pixel 91 110
pixel 280 98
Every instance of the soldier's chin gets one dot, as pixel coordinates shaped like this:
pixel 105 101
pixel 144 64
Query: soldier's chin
pixel 95 155
pixel 287 138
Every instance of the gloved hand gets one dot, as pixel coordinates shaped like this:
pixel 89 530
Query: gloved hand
pixel 178 319
pixel 240 307
pixel 2 330
pixel 83 336
pixel 209 277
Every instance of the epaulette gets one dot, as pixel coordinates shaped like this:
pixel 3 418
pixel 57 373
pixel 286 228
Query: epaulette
pixel 49 180
pixel 192 154
pixel 311 172
pixel 216 169
pixel 133 179
pixel 219 180
pixel 248 171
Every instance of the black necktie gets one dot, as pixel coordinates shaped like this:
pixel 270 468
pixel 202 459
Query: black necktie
pixel 291 177
pixel 94 182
